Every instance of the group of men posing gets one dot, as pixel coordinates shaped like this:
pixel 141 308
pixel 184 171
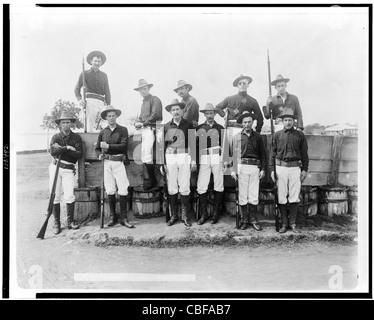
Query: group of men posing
pixel 186 146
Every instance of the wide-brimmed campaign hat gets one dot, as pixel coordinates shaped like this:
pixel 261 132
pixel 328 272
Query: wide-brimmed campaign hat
pixel 287 113
pixel 174 102
pixel 142 83
pixel 65 116
pixel 236 81
pixel 279 78
pixel 108 109
pixel 246 114
pixel 96 54
pixel 182 83
pixel 208 107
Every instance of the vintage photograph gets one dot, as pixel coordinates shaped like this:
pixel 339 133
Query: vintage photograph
pixel 183 149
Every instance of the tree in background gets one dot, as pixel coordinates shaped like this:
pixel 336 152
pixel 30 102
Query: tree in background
pixel 60 107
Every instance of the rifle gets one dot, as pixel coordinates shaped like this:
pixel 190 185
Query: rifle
pixel 237 202
pixel 50 204
pixel 84 97
pixel 276 209
pixel 166 196
pixel 102 201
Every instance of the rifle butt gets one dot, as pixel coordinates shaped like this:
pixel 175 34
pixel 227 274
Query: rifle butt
pixel 43 229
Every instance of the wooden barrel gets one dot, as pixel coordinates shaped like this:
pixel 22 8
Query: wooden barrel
pixel 146 203
pixel 266 202
pixel 86 203
pixel 332 200
pixel 230 201
pixel 352 200
pixel 308 204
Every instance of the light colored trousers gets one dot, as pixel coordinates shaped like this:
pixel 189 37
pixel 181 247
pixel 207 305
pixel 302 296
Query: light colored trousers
pixel 148 140
pixel 249 184
pixel 94 107
pixel 115 176
pixel 288 184
pixel 66 180
pixel 210 163
pixel 178 173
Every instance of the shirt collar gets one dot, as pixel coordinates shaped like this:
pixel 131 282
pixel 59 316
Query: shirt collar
pixel 207 124
pixel 147 98
pixel 92 70
pixel 182 120
pixel 243 132
pixel 291 129
pixel 278 95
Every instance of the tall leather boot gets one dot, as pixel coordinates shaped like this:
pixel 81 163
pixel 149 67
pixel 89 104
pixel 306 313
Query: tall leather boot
pixel 148 176
pixel 253 217
pixel 112 210
pixel 174 209
pixel 56 215
pixel 203 208
pixel 293 215
pixel 283 212
pixel 244 217
pixel 70 216
pixel 185 208
pixel 218 202
pixel 123 215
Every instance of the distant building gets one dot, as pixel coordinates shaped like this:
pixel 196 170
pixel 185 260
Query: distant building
pixel 342 129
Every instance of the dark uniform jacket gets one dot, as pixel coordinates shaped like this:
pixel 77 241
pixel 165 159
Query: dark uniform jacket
pixel 236 104
pixel 96 82
pixel 117 140
pixel 290 145
pixel 72 139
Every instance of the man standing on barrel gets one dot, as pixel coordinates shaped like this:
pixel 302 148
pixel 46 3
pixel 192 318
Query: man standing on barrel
pixel 69 145
pixel 111 147
pixel 283 101
pixel 96 91
pixel 249 156
pixel 180 160
pixel 151 112
pixel 191 109
pixel 209 149
pixel 290 150
pixel 235 106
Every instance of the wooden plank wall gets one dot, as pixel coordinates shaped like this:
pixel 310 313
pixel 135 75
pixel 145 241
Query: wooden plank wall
pixel 332 160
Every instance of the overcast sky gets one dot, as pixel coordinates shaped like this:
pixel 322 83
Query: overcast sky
pixel 324 51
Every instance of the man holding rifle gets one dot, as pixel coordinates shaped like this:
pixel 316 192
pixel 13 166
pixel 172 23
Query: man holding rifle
pixel 249 156
pixel 111 147
pixel 96 91
pixel 290 150
pixel 282 101
pixel 69 145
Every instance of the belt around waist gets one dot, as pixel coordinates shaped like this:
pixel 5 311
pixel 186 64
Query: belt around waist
pixel 64 165
pixel 233 123
pixel 287 163
pixel 210 151
pixel 116 157
pixel 255 162
pixel 95 96
pixel 176 150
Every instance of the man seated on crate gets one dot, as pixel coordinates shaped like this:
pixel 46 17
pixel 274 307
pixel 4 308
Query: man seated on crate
pixel 290 150
pixel 69 145
pixel 111 148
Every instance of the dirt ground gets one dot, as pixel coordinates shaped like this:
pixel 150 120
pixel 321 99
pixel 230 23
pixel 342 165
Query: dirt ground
pixel 90 248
